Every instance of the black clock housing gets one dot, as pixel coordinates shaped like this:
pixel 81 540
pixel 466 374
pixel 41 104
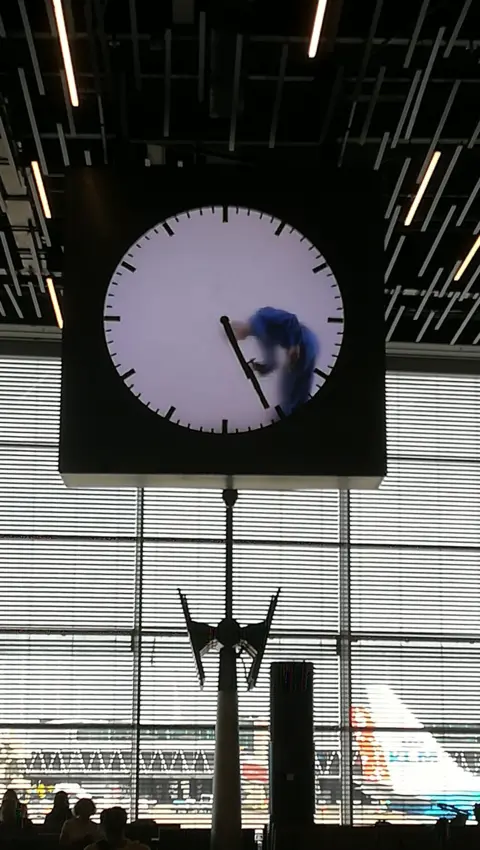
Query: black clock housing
pixel 109 438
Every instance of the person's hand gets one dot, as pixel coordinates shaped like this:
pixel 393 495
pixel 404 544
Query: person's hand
pixel 293 355
pixel 260 368
pixel 241 330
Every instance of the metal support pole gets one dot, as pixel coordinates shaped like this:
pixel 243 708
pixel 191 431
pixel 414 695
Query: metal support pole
pixel 227 801
pixel 230 497
pixel 226 833
pixel 137 659
pixel 344 658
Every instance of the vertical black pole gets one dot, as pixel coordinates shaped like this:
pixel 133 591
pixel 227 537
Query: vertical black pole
pixel 227 800
pixel 137 659
pixel 229 497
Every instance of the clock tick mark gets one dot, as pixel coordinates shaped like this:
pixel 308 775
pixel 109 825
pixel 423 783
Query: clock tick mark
pixel 321 374
pixel 111 318
pixel 224 214
pixel 127 374
pixel 319 268
pixel 224 426
pixel 167 228
pixel 279 411
pixel 335 320
pixel 280 228
pixel 128 266
pixel 170 412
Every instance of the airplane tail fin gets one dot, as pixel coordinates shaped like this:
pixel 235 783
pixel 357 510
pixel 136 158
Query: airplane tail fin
pixel 374 766
pixel 415 758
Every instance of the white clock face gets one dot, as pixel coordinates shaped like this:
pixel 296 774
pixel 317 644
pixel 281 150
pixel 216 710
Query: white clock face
pixel 182 298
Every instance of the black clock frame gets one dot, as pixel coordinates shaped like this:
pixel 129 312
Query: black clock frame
pixel 108 437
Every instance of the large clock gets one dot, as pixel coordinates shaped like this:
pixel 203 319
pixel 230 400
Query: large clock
pixel 181 290
pixel 222 324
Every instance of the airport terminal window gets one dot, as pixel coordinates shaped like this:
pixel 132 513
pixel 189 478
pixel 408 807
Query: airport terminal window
pixel 68 563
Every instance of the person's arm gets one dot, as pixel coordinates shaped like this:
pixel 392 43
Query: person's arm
pixel 259 325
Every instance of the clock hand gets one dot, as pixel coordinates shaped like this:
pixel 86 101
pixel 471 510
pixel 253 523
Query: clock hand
pixel 247 369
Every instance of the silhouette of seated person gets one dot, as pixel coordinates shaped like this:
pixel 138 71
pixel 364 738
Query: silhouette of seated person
pixel 113 822
pixel 80 830
pixel 13 819
pixel 60 813
pixel 11 795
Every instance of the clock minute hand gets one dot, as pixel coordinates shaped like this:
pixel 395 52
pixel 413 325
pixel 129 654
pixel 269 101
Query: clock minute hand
pixel 247 369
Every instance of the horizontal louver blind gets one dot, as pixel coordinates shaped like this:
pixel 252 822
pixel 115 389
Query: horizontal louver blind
pixel 67 566
pixel 415 598
pixel 69 562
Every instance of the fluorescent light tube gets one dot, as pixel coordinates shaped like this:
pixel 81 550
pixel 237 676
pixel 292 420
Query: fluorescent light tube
pixel 317 28
pixel 65 48
pixel 423 185
pixel 55 304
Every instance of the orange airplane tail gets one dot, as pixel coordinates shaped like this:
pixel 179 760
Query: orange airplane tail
pixel 374 765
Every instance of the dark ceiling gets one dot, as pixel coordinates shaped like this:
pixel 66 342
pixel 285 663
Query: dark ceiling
pixel 192 82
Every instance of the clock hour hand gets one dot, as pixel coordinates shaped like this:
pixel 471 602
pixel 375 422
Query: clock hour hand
pixel 247 369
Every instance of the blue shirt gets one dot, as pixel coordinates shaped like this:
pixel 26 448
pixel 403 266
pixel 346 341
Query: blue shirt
pixel 274 328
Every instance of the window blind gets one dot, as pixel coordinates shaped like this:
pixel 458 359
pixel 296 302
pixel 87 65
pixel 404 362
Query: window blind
pixel 91 612
pixel 415 593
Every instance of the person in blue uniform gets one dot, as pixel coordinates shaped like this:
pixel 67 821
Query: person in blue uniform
pixel 275 329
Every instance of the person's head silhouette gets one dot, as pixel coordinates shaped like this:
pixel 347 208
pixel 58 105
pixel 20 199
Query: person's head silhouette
pixel 113 822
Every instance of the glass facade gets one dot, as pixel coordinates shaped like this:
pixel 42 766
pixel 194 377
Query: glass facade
pixel 381 590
